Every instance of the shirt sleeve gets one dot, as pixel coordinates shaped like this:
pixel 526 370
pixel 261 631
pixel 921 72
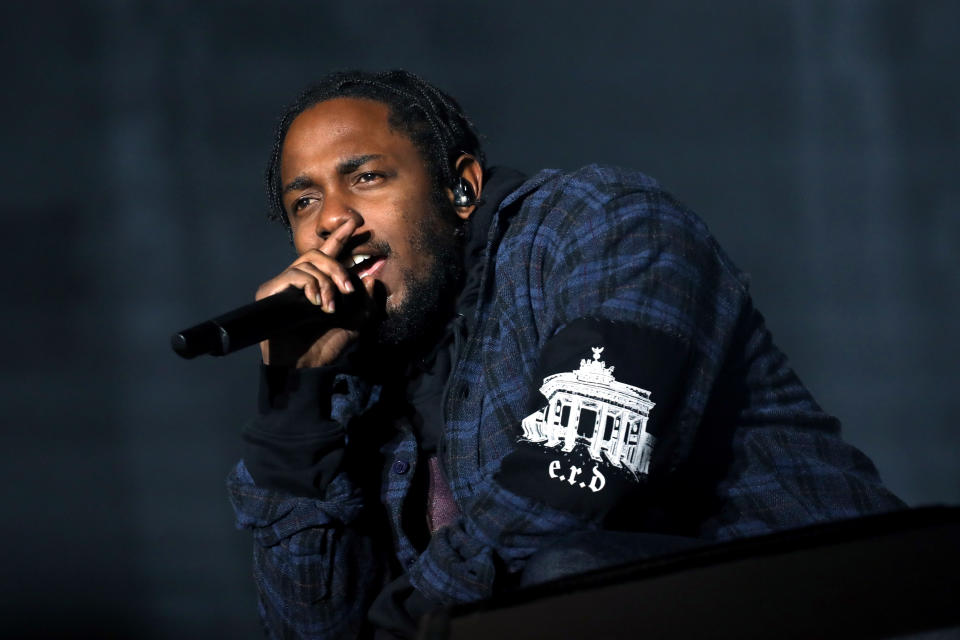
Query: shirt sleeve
pixel 317 562
pixel 593 423
pixel 319 556
pixel 293 444
pixel 639 317
pixel 620 269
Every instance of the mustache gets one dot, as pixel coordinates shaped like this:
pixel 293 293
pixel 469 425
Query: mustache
pixel 376 247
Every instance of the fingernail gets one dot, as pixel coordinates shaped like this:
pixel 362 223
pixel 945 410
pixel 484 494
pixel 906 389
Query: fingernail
pixel 329 307
pixel 348 286
pixel 317 300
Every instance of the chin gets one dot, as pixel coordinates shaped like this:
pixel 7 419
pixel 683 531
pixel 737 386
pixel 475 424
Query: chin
pixel 420 306
pixel 407 324
pixel 393 304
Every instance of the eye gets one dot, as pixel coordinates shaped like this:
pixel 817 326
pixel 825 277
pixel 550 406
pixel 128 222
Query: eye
pixel 368 177
pixel 302 203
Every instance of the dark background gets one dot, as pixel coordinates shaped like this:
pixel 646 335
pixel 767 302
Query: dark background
pixel 818 139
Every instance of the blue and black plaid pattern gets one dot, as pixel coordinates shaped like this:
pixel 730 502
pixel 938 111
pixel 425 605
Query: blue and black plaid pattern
pixel 597 243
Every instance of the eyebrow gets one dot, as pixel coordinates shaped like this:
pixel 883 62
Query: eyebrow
pixel 345 166
pixel 300 182
pixel 349 165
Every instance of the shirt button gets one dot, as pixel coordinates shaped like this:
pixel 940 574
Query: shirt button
pixel 400 466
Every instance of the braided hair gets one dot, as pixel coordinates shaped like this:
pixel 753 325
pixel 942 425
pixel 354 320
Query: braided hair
pixel 432 120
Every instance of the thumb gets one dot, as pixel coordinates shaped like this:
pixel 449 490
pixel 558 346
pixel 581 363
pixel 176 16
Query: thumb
pixel 369 284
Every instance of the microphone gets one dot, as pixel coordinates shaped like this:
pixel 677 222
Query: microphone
pixel 259 321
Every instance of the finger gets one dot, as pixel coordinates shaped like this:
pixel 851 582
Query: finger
pixel 292 277
pixel 328 266
pixel 368 284
pixel 278 284
pixel 322 291
pixel 337 240
pixel 376 296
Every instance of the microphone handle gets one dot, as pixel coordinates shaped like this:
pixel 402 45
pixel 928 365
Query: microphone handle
pixel 254 322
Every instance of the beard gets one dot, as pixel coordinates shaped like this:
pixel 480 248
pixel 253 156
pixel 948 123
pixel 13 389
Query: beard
pixel 429 299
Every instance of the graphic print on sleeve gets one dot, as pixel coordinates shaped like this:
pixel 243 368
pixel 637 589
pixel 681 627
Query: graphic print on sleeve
pixel 601 412
pixel 589 408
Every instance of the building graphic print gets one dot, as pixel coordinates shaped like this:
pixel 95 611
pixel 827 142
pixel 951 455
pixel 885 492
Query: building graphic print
pixel 589 407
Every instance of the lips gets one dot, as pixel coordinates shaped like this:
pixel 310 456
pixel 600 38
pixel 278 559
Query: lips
pixel 364 264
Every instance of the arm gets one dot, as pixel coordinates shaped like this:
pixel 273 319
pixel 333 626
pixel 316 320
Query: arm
pixel 590 254
pixel 786 464
pixel 619 250
pixel 299 489
pixel 316 562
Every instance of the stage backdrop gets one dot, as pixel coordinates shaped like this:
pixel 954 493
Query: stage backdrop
pixel 817 138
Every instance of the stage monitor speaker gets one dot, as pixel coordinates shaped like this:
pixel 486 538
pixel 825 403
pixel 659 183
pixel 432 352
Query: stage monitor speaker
pixel 895 575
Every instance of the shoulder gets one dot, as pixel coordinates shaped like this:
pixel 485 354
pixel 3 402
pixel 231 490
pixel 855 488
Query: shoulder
pixel 595 183
pixel 601 200
pixel 611 210
pixel 612 243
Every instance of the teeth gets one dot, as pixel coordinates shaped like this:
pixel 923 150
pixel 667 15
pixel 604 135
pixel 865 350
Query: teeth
pixel 354 260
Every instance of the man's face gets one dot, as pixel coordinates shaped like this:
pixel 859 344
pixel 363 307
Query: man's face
pixel 341 160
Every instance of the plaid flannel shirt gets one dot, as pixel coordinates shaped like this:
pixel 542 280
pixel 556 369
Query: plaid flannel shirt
pixel 596 243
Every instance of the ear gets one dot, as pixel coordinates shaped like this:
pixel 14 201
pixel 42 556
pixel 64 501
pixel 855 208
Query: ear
pixel 468 168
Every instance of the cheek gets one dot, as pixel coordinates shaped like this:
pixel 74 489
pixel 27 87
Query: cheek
pixel 298 244
pixel 303 239
pixel 412 223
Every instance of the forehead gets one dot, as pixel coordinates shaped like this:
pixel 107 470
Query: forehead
pixel 342 126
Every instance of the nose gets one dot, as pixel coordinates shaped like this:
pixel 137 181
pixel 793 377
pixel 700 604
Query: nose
pixel 336 211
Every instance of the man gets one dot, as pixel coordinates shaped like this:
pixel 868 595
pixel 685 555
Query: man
pixel 534 376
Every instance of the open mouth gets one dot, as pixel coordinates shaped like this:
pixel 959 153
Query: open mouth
pixel 364 264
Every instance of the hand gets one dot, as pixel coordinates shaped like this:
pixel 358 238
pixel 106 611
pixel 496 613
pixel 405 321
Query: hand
pixel 322 280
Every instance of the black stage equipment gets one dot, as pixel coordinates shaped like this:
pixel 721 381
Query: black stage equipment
pixel 895 575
